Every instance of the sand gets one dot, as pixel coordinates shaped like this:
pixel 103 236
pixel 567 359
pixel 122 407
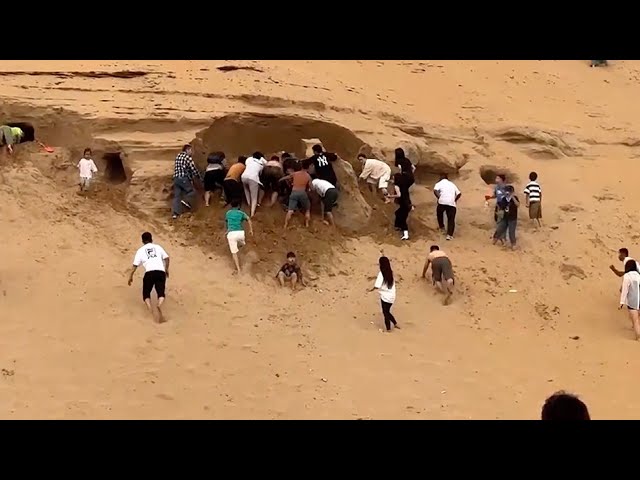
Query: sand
pixel 77 342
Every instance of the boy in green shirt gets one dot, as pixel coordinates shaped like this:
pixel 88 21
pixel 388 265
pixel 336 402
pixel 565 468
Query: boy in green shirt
pixel 235 233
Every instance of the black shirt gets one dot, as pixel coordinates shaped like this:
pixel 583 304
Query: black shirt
pixel 324 168
pixel 510 208
pixel 404 184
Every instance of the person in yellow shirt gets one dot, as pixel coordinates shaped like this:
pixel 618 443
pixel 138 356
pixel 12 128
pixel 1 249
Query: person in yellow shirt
pixel 9 136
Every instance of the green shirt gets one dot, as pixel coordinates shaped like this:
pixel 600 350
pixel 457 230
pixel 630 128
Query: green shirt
pixel 234 218
pixel 17 133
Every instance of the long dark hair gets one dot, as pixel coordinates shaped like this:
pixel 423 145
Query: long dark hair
pixel 399 154
pixel 387 273
pixel 630 266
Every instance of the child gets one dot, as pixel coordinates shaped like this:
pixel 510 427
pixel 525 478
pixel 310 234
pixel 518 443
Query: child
pixel 386 286
pixel 87 168
pixel 509 221
pixel 235 233
pixel 214 175
pixel 291 270
pixel 533 199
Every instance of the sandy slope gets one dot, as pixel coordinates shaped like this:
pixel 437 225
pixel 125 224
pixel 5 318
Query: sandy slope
pixel 76 342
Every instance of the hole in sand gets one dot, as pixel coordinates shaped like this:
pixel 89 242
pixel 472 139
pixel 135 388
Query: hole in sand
pixel 490 172
pixel 114 170
pixel 27 128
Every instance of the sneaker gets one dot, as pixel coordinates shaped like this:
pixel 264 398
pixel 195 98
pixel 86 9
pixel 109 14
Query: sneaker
pixel 186 204
pixel 449 237
pixel 405 237
pixel 174 216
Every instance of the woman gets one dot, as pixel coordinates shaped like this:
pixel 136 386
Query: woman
pixel 214 175
pixel 405 165
pixel 630 295
pixel 251 181
pixel 386 286
pixel 401 184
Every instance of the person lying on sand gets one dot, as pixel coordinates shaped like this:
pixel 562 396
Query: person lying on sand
pixel 329 199
pixel 441 272
pixel 234 219
pixel 375 172
pixel 155 261
pixel 291 271
pixel 87 168
pixel 9 136
pixel 214 175
pixel 299 199
pixel 386 286
pixel 623 256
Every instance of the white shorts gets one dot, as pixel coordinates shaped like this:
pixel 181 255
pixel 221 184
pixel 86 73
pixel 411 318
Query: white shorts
pixel 85 182
pixel 236 240
pixel 382 182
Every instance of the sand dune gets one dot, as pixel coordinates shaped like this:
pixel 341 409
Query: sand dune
pixel 77 342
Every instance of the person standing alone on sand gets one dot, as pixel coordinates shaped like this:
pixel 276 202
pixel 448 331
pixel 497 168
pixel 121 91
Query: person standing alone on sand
pixel 386 286
pixel 183 174
pixel 156 265
pixel 447 194
pixel 291 271
pixel 9 136
pixel 234 219
pixel 533 199
pixel 87 168
pixel 441 272
pixel 630 294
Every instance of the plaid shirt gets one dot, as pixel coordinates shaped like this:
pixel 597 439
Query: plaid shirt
pixel 185 168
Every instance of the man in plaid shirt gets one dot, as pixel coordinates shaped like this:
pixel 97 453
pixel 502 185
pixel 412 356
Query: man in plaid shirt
pixel 184 173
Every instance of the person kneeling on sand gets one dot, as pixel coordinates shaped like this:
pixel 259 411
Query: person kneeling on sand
pixel 235 232
pixel 214 175
pixel 375 172
pixel 441 272
pixel 291 271
pixel 87 168
pixel 253 188
pixel 301 182
pixel 156 265
pixel 9 136
pixel 329 198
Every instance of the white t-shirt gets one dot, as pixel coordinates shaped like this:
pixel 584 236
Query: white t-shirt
pixel 151 256
pixel 448 192
pixel 87 168
pixel 386 294
pixel 321 186
pixel 254 169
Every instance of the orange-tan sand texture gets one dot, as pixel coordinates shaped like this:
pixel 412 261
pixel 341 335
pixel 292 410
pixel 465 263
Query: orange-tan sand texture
pixel 77 342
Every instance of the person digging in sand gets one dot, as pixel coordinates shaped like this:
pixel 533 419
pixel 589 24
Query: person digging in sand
pixel 184 173
pixel 386 286
pixel 441 272
pixel 234 219
pixel 9 136
pixel 301 183
pixel 155 261
pixel 630 295
pixel 291 271
pixel 270 178
pixel 214 175
pixel 253 188
pixel 375 173
pixel 329 199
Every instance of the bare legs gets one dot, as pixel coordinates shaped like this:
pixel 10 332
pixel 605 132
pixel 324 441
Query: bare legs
pixel 294 280
pixel 635 322
pixel 446 287
pixel 307 218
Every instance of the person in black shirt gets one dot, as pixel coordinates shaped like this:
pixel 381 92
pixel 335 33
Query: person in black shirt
pixel 322 164
pixel 291 271
pixel 401 184
pixel 405 165
pixel 508 223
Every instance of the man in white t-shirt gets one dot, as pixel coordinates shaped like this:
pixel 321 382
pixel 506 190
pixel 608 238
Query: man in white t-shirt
pixel 328 193
pixel 87 168
pixel 375 172
pixel 448 195
pixel 155 261
pixel 251 181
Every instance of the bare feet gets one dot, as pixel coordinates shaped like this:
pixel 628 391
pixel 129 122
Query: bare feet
pixel 447 298
pixel 160 315
pixel 396 326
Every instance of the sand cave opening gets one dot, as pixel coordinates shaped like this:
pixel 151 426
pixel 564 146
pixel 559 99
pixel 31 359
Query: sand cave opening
pixel 27 128
pixel 114 171
pixel 488 173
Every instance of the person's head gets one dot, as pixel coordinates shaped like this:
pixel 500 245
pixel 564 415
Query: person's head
pixel 87 153
pixel 291 258
pixel 564 406
pixel 509 190
pixel 533 176
pixel 623 253
pixel 187 149
pixel 434 248
pixel 147 238
pixel 275 158
pixel 257 155
pixel 297 167
pixel 242 159
pixel 630 266
pixel 385 269
pixel 444 176
pixel 399 154
pixel 500 179
pixel 317 149
pixel 362 157
pixel 216 157
pixel 235 203
pixel 285 155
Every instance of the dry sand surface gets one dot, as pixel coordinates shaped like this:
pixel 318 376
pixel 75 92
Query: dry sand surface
pixel 77 342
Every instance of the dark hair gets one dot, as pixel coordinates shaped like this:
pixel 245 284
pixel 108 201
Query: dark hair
pixel 434 248
pixel 242 159
pixel 624 251
pixel 317 148
pixel 399 153
pixel 275 158
pixel 186 147
pixel 387 273
pixel 288 163
pixel 291 255
pixel 285 155
pixel 235 203
pixel 297 167
pixel 216 157
pixel 362 155
pixel 564 406
pixel 533 176
pixel 147 238
pixel 444 176
pixel 630 266
pixel 257 155
pixel 502 176
pixel 509 188
pixel 87 150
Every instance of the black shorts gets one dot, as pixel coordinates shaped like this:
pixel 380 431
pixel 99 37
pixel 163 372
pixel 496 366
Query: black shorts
pixel 233 190
pixel 213 179
pixel 154 279
pixel 270 178
pixel 330 199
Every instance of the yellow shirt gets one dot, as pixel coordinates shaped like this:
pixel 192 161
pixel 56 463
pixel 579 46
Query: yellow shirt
pixel 17 132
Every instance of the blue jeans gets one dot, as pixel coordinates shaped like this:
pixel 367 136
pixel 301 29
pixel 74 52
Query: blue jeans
pixel 182 187
pixel 506 226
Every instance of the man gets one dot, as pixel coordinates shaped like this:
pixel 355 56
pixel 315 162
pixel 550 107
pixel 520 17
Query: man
pixel 564 406
pixel 329 198
pixel 375 172
pixel 299 199
pixel 232 185
pixel 533 199
pixel 9 136
pixel 441 272
pixel 322 165
pixel 291 271
pixel 234 219
pixel 183 174
pixel 623 256
pixel 155 261
pixel 447 194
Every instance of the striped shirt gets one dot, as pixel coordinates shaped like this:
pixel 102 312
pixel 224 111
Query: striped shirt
pixel 534 191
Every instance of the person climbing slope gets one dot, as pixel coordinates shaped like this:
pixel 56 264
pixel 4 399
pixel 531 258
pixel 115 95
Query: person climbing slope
pixel 184 173
pixel 253 189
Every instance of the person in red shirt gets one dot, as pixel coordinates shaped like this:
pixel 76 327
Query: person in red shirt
pixel 299 198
